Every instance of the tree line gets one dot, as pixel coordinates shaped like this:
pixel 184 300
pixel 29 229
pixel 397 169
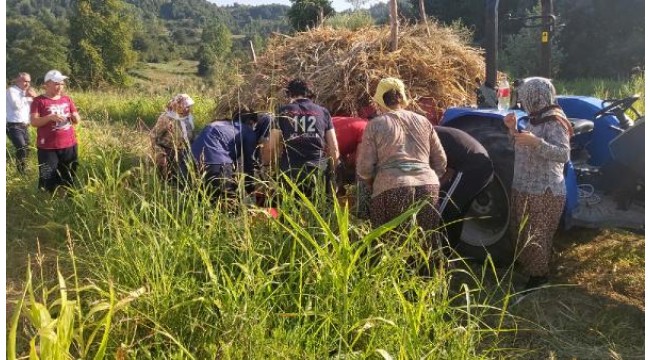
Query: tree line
pixel 98 41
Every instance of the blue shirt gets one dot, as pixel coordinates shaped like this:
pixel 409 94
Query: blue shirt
pixel 224 142
pixel 303 125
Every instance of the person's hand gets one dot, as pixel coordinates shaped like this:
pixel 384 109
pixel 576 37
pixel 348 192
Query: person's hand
pixel 526 138
pixel 510 121
pixel 57 118
pixel 30 93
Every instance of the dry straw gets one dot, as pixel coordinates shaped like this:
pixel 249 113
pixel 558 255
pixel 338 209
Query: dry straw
pixel 344 67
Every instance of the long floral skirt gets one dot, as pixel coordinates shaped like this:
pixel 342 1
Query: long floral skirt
pixel 392 203
pixel 540 216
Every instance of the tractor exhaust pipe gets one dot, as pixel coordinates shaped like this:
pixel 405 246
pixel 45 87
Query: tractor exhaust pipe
pixel 491 41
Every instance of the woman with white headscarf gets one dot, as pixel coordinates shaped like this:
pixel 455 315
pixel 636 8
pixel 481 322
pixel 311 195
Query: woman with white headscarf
pixel 171 138
pixel 400 158
pixel 538 190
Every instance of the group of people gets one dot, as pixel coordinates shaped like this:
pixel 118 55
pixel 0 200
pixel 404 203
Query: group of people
pixel 396 156
pixel 54 115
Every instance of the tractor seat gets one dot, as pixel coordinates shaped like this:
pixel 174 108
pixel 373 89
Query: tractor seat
pixel 581 126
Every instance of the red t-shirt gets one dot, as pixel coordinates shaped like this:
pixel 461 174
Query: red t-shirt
pixel 349 131
pixel 54 135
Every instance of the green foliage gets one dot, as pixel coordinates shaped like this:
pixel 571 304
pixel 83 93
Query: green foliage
pixel 63 327
pixel 352 20
pixel 101 40
pixel 305 14
pixel 606 89
pixel 521 53
pixel 602 38
pixel 216 44
pixel 34 49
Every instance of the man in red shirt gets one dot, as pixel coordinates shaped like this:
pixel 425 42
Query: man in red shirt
pixel 54 114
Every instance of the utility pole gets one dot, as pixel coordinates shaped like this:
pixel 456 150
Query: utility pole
pixel 547 36
pixel 393 24
pixel 491 40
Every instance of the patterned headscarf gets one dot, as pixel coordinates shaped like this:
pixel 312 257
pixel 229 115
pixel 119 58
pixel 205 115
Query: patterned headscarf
pixel 180 104
pixel 537 96
pixel 536 93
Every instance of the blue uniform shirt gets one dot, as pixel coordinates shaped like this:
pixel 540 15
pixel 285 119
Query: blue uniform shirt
pixel 223 142
pixel 303 125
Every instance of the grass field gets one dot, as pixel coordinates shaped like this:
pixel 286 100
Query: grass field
pixel 147 271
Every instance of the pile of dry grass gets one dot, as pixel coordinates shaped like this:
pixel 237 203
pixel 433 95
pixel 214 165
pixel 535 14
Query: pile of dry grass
pixel 345 66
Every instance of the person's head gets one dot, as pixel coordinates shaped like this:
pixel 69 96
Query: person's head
pixel 181 104
pixel 23 80
pixel 299 88
pixel 244 115
pixel 390 94
pixel 54 82
pixel 535 94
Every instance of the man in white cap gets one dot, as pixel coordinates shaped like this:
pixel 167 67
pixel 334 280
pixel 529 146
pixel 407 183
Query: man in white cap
pixel 19 99
pixel 54 114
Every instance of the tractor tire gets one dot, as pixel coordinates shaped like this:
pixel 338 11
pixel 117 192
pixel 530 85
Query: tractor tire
pixel 486 229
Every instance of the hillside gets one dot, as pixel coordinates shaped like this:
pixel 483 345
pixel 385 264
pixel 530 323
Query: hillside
pixel 164 30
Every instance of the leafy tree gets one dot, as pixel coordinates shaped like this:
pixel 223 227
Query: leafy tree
pixel 521 52
pixel 32 48
pixel 305 14
pixel 216 44
pixel 602 38
pixel 101 38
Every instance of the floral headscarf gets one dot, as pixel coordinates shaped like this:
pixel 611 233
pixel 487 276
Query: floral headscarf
pixel 537 96
pixel 536 93
pixel 180 104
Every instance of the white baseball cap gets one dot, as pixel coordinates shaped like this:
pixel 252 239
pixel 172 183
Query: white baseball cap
pixel 54 75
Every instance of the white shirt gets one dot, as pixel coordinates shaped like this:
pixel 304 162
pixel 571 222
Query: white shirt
pixel 18 104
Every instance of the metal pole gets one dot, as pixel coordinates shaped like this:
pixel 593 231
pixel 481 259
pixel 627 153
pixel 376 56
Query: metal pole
pixel 491 40
pixel 546 37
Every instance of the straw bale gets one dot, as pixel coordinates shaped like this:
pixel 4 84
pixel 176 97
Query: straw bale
pixel 344 67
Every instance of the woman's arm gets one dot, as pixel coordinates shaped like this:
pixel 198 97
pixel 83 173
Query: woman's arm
pixel 553 145
pixel 367 156
pixel 437 156
pixel 332 145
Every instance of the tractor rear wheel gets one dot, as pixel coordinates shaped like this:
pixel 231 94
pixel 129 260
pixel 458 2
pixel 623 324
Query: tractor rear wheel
pixel 486 228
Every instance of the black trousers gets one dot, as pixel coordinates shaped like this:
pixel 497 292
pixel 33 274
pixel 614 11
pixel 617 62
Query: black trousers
pixel 18 134
pixel 460 192
pixel 57 167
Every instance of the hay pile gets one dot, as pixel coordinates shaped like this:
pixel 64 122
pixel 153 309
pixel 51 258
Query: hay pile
pixel 345 66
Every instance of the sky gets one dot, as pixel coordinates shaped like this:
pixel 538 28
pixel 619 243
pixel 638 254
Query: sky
pixel 338 5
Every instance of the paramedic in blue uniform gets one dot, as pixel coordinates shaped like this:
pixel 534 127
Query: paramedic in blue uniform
pixel 218 148
pixel 469 171
pixel 303 139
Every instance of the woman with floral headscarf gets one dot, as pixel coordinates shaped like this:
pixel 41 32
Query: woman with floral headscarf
pixel 171 138
pixel 400 158
pixel 538 190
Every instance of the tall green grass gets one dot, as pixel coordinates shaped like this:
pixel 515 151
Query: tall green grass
pixel 233 283
pixel 606 89
pixel 225 280
pixel 228 281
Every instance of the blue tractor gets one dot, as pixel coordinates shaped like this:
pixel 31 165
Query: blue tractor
pixel 605 177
